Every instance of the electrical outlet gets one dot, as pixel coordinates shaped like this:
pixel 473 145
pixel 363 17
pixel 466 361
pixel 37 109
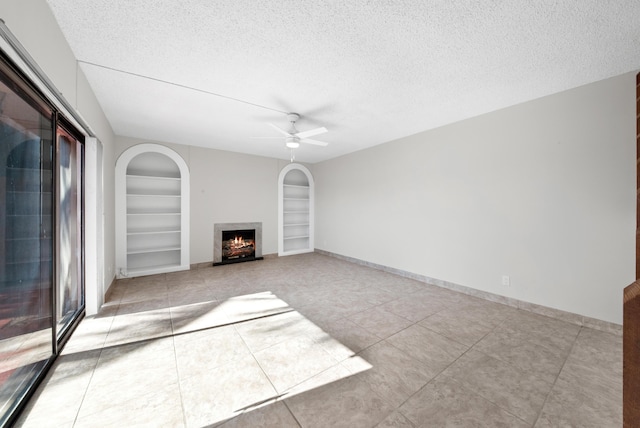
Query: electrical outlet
pixel 506 281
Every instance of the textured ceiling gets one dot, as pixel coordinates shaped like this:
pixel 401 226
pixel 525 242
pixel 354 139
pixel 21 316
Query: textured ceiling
pixel 213 73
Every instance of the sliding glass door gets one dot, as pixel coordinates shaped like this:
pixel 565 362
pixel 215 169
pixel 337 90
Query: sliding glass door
pixel 41 239
pixel 70 289
pixel 26 240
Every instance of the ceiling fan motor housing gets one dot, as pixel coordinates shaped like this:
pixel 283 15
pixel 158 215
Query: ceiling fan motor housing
pixel 293 117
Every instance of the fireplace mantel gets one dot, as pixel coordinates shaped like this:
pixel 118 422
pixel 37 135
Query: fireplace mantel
pixel 218 228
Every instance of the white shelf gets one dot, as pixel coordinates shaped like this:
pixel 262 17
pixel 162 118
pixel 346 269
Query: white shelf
pixel 155 269
pixel 153 213
pixel 151 231
pixel 153 177
pixel 151 195
pixel 298 186
pixel 295 224
pixel 287 238
pixel 153 250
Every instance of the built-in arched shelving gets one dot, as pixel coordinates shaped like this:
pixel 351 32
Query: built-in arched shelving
pixel 152 211
pixel 295 210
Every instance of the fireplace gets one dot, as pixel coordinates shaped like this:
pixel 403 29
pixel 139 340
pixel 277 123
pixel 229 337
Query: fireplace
pixel 238 245
pixel 236 242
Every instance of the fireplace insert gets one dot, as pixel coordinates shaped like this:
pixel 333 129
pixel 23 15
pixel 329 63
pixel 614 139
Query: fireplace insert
pixel 238 245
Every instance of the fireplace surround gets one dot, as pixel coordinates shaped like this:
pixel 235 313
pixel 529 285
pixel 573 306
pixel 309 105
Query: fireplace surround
pixel 222 233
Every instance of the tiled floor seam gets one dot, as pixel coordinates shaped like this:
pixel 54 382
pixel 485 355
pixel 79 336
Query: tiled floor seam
pixel 282 396
pixel 397 408
pixel 278 396
pixel 93 371
pixel 291 413
pixel 449 365
pixel 469 390
pixel 175 355
pixel 84 395
pixel 558 375
pixel 519 369
pixel 409 326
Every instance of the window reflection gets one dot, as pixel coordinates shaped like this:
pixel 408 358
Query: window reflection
pixel 26 244
pixel 70 299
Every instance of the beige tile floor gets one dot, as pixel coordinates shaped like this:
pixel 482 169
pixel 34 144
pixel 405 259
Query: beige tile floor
pixel 313 341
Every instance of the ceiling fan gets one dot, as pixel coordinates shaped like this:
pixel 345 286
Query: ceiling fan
pixel 293 137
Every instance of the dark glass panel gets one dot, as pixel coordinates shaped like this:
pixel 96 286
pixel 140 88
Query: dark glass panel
pixel 26 244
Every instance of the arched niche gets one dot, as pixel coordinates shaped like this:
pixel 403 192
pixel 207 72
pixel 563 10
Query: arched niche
pixel 295 210
pixel 152 211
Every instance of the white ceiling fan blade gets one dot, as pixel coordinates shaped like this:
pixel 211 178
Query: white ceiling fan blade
pixel 280 130
pixel 314 142
pixel 312 132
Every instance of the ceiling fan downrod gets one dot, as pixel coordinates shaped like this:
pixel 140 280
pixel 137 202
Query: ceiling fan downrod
pixel 293 117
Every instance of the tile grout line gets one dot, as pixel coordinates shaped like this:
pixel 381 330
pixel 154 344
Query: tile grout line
pixel 573 345
pixel 396 408
pixel 175 357
pixel 451 364
pixel 93 371
pixel 86 390
pixel 278 395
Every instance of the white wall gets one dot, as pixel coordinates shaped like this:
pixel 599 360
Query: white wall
pixel 34 26
pixel 226 187
pixel 543 192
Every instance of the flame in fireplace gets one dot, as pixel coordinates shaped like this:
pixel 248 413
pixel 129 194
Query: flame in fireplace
pixel 239 242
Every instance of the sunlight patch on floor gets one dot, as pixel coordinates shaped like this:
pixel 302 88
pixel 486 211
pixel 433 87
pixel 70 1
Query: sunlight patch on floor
pixel 229 358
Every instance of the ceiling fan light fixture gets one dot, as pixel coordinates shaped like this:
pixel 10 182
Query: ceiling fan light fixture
pixel 292 142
